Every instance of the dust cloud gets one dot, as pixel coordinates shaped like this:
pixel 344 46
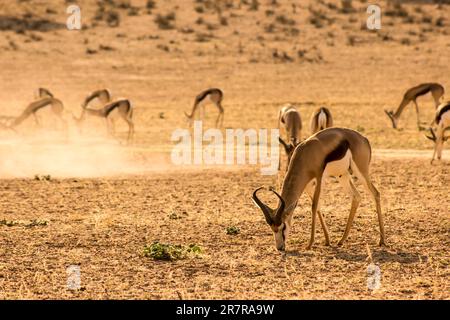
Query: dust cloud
pixel 71 155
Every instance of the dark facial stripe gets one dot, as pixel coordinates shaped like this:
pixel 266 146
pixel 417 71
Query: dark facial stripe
pixel 338 153
pixel 441 113
pixel 282 232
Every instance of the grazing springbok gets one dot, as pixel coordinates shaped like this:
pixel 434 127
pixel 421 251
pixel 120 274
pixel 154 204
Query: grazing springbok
pixel 290 118
pixel 437 91
pixel 333 152
pixel 320 120
pixel 442 120
pixel 56 106
pixel 214 96
pixel 124 109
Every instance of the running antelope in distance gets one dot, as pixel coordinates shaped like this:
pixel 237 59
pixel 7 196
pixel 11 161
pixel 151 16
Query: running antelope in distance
pixel 214 96
pixel 436 90
pixel 124 110
pixel 320 120
pixel 335 152
pixel 56 107
pixel 442 121
pixel 290 118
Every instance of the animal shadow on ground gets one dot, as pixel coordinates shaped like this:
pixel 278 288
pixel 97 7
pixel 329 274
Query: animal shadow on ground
pixel 380 255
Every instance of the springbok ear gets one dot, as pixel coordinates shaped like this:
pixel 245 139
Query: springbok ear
pixel 287 147
pixel 431 138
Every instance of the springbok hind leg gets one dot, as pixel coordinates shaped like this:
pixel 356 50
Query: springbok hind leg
pixel 376 197
pixel 346 182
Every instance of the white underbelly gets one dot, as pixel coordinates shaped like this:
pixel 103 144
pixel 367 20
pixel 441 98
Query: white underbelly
pixel 338 167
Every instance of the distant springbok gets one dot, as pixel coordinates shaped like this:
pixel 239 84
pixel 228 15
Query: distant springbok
pixel 292 121
pixel 125 112
pixel 437 91
pixel 56 107
pixel 442 120
pixel 320 120
pixel 214 96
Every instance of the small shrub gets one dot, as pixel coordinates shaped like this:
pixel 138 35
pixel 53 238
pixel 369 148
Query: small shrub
pixel 32 223
pixel 281 19
pixel 406 41
pixel 169 252
pixel 347 6
pixel 254 6
pixel 113 18
pixel 233 230
pixel 151 4
pixel 165 22
pixel 40 177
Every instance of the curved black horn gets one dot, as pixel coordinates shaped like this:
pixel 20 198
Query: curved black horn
pixel 265 209
pixel 390 114
pixel 433 135
pixel 280 210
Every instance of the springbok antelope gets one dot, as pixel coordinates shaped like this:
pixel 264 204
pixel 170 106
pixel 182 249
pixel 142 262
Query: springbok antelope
pixel 212 95
pixel 334 152
pixel 125 111
pixel 437 91
pixel 292 121
pixel 56 106
pixel 442 120
pixel 320 120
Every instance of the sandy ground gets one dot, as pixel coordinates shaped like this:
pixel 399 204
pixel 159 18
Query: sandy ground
pixel 105 200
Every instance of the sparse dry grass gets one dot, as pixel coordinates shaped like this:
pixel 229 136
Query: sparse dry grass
pixel 103 226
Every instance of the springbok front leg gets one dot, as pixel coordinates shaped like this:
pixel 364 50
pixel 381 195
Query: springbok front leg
pixel 363 174
pixel 36 119
pixel 419 126
pixel 349 187
pixel 315 205
pixel 130 129
pixel 310 191
pixel 220 116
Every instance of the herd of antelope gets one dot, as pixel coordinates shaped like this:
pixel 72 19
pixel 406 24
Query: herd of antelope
pixel 123 108
pixel 329 151
pixel 340 153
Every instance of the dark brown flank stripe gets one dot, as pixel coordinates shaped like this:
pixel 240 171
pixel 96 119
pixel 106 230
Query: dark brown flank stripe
pixel 338 153
pixel 425 90
pixel 441 112
pixel 205 93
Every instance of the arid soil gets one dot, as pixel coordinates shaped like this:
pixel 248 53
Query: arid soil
pixel 81 198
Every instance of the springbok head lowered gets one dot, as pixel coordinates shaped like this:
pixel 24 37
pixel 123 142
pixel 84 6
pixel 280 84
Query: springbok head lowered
pixel 390 114
pixel 438 141
pixel 274 218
